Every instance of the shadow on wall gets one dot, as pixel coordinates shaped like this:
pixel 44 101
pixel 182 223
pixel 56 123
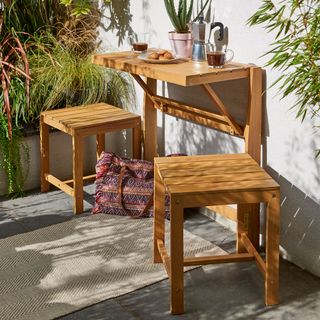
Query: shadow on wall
pixel 300 225
pixel 147 23
pixel 194 139
pixel 233 93
pixel 296 162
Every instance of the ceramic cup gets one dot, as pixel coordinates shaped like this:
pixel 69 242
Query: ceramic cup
pixel 217 56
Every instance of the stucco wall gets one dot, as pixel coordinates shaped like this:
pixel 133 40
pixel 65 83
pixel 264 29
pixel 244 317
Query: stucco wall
pixel 288 145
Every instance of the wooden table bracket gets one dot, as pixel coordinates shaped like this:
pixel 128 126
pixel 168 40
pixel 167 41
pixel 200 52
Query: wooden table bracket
pixel 224 122
pixel 224 111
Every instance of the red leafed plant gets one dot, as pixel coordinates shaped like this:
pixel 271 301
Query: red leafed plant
pixel 14 73
pixel 13 61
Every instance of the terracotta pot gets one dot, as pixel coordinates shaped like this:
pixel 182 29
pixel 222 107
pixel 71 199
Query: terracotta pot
pixel 181 44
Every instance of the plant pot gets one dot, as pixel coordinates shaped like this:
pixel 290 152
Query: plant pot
pixel 61 157
pixel 181 44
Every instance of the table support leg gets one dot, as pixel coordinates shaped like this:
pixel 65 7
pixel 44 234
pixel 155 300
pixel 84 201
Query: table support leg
pixel 253 129
pixel 150 123
pixel 249 214
pixel 77 151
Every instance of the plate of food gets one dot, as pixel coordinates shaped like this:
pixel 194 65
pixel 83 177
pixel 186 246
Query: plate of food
pixel 160 57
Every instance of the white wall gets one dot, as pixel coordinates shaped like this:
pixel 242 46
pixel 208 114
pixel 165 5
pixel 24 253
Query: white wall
pixel 289 145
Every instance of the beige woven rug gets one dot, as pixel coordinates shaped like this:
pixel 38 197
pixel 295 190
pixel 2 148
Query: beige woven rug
pixel 62 268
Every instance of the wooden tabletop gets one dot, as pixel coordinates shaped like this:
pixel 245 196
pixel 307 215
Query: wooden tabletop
pixel 184 73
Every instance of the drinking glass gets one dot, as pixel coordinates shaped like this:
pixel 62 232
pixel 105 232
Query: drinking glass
pixel 217 56
pixel 138 42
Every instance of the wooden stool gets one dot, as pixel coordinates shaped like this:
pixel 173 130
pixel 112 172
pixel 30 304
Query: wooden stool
pixel 95 119
pixel 198 181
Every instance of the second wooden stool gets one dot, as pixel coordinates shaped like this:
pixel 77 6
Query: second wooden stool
pixel 79 122
pixel 198 181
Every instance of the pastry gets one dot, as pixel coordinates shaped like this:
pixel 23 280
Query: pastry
pixel 168 55
pixel 162 52
pixel 162 57
pixel 153 55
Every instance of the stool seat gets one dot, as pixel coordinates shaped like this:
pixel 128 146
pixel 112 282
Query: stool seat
pixel 213 174
pixel 89 118
pixel 79 122
pixel 198 181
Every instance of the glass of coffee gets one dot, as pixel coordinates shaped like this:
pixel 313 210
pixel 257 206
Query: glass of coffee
pixel 217 56
pixel 138 42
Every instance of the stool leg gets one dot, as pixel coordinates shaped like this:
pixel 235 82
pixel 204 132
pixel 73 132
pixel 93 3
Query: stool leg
pixel 136 140
pixel 272 251
pixel 44 154
pixel 77 142
pixel 101 143
pixel 176 256
pixel 159 214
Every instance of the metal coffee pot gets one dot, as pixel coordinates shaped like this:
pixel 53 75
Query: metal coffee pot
pixel 199 30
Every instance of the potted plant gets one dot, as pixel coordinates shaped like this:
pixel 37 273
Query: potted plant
pixel 180 38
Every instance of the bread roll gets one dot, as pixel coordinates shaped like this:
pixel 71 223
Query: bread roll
pixel 153 55
pixel 168 55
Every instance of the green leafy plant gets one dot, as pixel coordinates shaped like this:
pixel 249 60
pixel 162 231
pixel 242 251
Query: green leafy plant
pixel 63 78
pixel 27 16
pixel 81 7
pixel 49 16
pixel 180 17
pixel 53 43
pixel 116 13
pixel 295 51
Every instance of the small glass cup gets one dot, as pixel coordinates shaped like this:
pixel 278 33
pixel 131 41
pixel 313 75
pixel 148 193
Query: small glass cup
pixel 138 42
pixel 217 56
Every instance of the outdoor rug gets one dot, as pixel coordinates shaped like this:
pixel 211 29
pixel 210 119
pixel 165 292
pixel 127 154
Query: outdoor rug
pixel 62 268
